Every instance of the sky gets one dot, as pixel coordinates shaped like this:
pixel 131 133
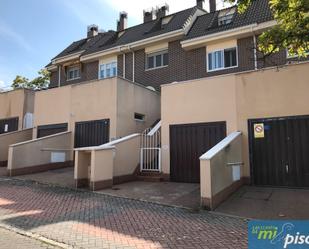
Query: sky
pixel 32 32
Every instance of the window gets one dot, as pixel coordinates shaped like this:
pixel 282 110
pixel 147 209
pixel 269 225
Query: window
pixel 222 59
pixel 223 20
pixel 108 70
pixel 226 16
pixel 73 73
pixel 139 117
pixel 156 60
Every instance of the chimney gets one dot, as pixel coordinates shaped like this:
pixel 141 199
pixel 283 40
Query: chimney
pixel 162 11
pixel 148 15
pixel 212 5
pixel 200 4
pixel 92 30
pixel 122 24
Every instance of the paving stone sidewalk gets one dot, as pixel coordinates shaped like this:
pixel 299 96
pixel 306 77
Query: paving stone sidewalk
pixel 11 240
pixel 84 219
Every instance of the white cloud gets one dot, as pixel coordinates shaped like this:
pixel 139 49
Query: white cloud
pixel 8 33
pixel 4 86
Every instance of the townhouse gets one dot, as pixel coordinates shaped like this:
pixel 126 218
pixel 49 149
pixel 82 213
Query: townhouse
pixel 199 72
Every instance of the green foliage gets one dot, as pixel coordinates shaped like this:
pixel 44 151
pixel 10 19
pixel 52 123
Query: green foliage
pixel 40 82
pixel 292 31
pixel 20 82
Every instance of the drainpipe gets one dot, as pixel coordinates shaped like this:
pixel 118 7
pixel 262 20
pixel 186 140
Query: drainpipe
pixel 255 52
pixel 124 65
pixel 133 66
pixel 59 76
pixel 128 48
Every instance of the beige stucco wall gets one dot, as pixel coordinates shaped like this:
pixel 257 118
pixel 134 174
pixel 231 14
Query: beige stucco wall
pixel 21 155
pixel 205 100
pixel 102 162
pixel 115 99
pixel 12 104
pixel 12 138
pixel 52 106
pixel 235 99
pixel 133 98
pixel 127 156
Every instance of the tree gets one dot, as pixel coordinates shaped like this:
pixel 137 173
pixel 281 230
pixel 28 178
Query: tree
pixel 40 82
pixel 292 31
pixel 20 82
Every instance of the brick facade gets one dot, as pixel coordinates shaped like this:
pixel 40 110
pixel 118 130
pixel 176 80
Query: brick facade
pixel 89 71
pixel 183 65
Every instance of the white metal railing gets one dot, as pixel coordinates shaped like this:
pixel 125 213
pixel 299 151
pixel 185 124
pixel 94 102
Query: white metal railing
pixel 150 158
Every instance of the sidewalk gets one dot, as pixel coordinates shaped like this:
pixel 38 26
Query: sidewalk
pixel 11 240
pixel 87 220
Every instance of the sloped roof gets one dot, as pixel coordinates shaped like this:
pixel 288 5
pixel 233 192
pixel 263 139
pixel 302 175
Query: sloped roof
pixel 87 43
pixel 207 24
pixel 139 32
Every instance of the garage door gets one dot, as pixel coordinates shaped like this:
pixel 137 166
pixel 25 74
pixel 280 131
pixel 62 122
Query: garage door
pixel 47 130
pixel 8 125
pixel 91 133
pixel 279 151
pixel 187 143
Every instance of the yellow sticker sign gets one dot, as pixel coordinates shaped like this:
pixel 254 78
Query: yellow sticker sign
pixel 259 130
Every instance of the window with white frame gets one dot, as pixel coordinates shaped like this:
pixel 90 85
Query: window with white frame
pixel 222 59
pixel 157 60
pixel 108 70
pixel 73 73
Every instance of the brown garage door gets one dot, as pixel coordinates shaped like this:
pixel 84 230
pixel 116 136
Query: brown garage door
pixel 280 156
pixel 8 125
pixel 187 143
pixel 47 130
pixel 91 133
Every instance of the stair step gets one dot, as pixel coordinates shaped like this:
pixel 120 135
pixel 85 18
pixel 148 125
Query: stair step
pixel 150 177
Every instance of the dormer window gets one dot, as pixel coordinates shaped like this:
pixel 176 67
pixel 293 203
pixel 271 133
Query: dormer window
pixel 166 20
pixel 226 16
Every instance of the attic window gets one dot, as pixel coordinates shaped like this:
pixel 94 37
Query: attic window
pixel 166 20
pixel 226 16
pixel 120 33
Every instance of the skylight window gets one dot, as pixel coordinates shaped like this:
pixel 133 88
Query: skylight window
pixel 226 16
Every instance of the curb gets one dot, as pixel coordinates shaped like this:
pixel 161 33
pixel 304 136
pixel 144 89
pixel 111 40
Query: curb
pixel 36 237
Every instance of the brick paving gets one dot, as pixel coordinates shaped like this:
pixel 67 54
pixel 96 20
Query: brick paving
pixel 84 219
pixel 11 240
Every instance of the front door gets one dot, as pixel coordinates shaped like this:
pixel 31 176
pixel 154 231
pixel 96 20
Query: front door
pixel 280 156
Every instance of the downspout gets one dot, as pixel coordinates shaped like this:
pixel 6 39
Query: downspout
pixel 124 66
pixel 59 76
pixel 133 67
pixel 254 51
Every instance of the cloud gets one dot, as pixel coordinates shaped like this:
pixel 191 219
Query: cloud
pixel 8 33
pixel 4 86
